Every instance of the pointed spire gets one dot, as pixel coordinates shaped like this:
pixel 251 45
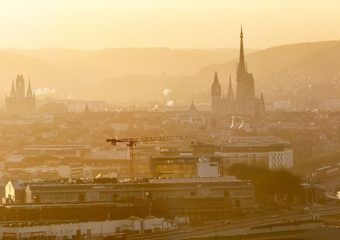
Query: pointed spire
pixel 192 107
pixel 12 90
pixel 29 89
pixel 230 95
pixel 241 64
pixel 215 78
pixel 29 84
pixel 262 97
pixel 216 87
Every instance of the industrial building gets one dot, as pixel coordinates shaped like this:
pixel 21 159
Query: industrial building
pixel 87 230
pixel 198 198
pixel 272 155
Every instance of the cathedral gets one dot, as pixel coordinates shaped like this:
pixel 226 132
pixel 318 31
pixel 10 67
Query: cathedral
pixel 244 102
pixel 18 101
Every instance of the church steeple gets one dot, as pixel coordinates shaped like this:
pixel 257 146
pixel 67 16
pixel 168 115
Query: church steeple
pixel 192 107
pixel 29 89
pixel 230 95
pixel 215 79
pixel 216 87
pixel 241 64
pixel 216 94
pixel 12 90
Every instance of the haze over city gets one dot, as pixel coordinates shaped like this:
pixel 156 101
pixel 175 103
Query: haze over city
pixel 86 24
pixel 159 43
pixel 169 119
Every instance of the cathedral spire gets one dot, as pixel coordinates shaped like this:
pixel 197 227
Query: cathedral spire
pixel 216 79
pixel 241 64
pixel 216 94
pixel 12 90
pixel 29 89
pixel 216 87
pixel 192 107
pixel 230 95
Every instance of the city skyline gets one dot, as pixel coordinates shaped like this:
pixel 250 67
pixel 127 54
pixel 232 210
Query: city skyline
pixel 169 119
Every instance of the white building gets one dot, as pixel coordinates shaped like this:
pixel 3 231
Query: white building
pixel 207 168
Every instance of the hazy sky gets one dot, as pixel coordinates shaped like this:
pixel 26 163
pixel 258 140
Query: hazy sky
pixel 167 23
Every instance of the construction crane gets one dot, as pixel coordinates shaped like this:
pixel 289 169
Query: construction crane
pixel 132 142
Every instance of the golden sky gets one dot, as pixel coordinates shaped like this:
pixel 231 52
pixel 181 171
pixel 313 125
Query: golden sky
pixel 95 24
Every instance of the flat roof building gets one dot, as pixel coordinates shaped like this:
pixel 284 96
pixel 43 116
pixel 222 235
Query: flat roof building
pixel 198 198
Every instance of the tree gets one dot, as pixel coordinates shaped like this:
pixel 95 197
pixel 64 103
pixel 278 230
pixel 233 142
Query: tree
pixel 275 188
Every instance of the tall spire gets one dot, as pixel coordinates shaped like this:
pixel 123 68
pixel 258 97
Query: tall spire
pixel 241 64
pixel 216 94
pixel 12 90
pixel 29 89
pixel 192 107
pixel 215 78
pixel 230 95
pixel 216 87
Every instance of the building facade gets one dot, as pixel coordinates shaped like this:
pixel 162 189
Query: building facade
pixel 245 101
pixel 115 229
pixel 20 100
pixel 267 152
pixel 197 198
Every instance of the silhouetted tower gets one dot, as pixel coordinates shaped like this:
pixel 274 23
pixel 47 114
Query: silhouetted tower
pixel 243 102
pixel 20 87
pixel 29 89
pixel 230 94
pixel 216 94
pixel 192 106
pixel 18 102
pixel 241 64
pixel 12 90
pixel 245 81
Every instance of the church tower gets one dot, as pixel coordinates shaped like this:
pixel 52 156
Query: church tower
pixel 245 81
pixel 20 86
pixel 12 90
pixel 29 89
pixel 216 94
pixel 244 102
pixel 18 102
pixel 230 94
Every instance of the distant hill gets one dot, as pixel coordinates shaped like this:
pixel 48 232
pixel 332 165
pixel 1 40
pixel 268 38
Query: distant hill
pixel 134 74
pixel 100 74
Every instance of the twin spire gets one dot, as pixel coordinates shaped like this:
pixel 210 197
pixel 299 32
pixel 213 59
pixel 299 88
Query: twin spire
pixel 29 92
pixel 216 88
